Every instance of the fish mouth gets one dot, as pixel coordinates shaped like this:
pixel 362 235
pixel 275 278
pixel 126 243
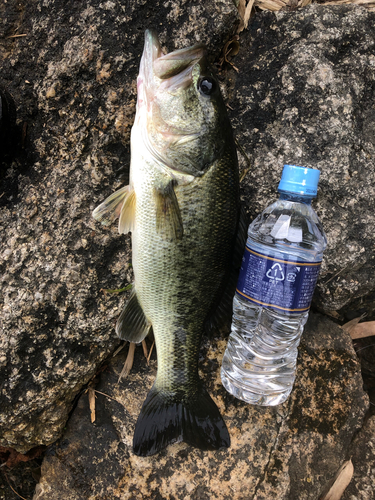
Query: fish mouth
pixel 160 73
pixel 166 66
pixel 165 72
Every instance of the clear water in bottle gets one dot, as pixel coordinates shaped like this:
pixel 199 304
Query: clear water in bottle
pixel 279 271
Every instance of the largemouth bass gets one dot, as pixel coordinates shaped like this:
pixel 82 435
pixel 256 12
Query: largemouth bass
pixel 182 207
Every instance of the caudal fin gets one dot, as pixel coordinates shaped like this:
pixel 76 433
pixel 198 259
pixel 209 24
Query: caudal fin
pixel 167 418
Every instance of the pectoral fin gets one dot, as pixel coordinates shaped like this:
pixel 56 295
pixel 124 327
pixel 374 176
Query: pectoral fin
pixel 132 324
pixel 168 215
pixel 120 204
pixel 127 216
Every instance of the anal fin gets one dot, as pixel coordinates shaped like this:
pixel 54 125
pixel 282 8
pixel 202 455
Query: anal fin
pixel 132 324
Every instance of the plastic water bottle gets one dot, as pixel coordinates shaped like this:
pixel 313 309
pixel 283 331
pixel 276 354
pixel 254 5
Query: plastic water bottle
pixel 278 275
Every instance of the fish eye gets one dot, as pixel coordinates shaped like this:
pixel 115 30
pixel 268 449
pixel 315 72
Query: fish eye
pixel 206 85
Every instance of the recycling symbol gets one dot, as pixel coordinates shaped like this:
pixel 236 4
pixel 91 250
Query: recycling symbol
pixel 275 273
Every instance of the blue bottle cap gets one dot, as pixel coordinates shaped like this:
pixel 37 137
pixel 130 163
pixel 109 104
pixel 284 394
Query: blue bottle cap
pixel 299 180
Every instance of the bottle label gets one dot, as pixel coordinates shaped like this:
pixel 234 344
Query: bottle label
pixel 277 283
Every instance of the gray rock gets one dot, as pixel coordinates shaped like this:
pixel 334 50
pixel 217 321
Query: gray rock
pixel 362 454
pixel 304 95
pixel 287 452
pixel 73 79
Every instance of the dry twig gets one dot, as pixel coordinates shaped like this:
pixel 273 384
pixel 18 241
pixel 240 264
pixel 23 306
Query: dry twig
pixel 145 351
pixel 110 397
pixel 92 396
pixel 10 486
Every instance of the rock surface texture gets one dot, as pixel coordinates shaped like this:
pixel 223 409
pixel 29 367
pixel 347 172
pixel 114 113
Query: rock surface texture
pixel 363 457
pixel 287 452
pixel 73 79
pixel 304 95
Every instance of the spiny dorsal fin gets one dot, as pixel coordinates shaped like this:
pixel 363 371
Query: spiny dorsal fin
pixel 132 324
pixel 168 215
pixel 120 204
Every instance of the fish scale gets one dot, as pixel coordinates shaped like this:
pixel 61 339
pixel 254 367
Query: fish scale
pixel 168 273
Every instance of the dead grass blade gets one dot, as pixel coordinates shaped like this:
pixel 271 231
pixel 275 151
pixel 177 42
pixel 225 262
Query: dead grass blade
pixel 275 5
pixel 128 362
pixel 145 350
pixel 247 14
pixel 149 354
pixel 110 397
pixel 241 11
pixel 118 349
pixel 243 153
pixel 340 482
pixel 369 3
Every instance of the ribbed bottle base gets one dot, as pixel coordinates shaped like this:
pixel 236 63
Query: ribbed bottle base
pixel 249 395
pixel 254 373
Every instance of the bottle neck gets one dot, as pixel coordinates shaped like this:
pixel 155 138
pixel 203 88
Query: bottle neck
pixel 297 198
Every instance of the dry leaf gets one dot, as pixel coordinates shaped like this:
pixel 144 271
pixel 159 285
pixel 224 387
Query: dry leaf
pixel 92 403
pixel 230 48
pixel 348 327
pixel 366 329
pixel 359 330
pixel 10 457
pixel 340 482
pixel 245 13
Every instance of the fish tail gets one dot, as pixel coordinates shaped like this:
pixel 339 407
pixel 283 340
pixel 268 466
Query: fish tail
pixel 167 418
